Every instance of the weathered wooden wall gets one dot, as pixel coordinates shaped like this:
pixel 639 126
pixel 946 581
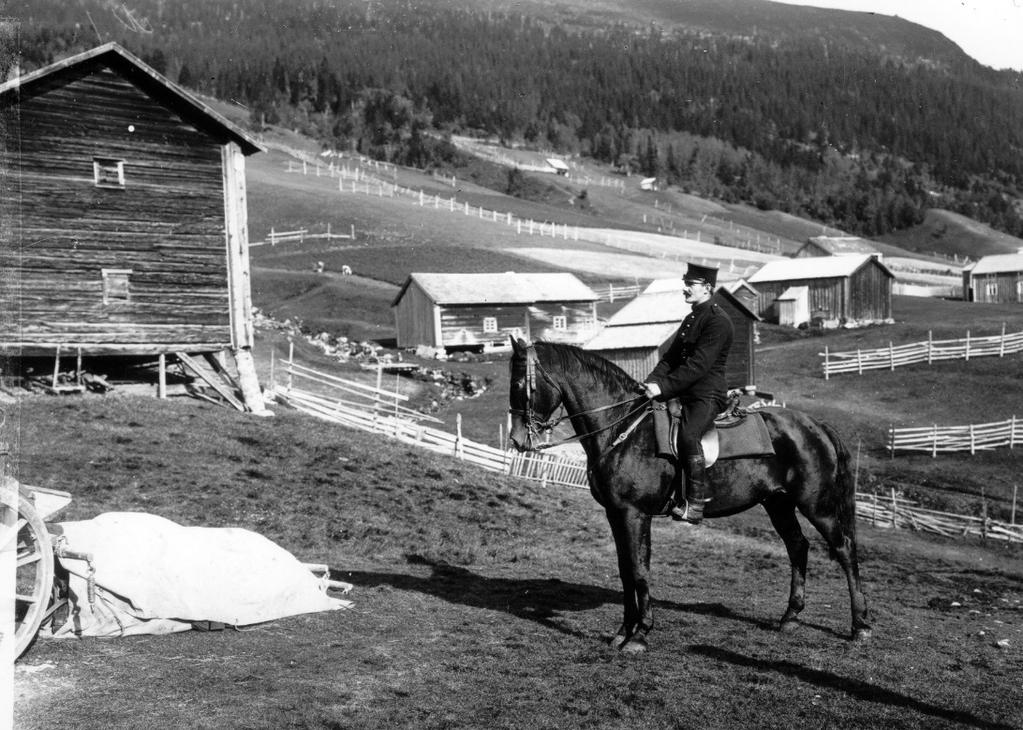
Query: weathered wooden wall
pixel 166 225
pixel 580 320
pixel 636 361
pixel 1009 283
pixel 416 319
pixel 741 368
pixel 462 325
pixel 865 295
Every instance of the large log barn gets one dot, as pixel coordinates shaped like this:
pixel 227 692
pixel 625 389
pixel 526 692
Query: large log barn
pixel 476 311
pixel 995 278
pixel 123 228
pixel 840 290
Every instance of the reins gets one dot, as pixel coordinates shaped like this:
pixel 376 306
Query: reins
pixel 535 425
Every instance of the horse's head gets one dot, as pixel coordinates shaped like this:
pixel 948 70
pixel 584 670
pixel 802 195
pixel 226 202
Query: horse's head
pixel 533 397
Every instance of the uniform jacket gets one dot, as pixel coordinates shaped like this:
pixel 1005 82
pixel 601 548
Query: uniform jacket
pixel 693 367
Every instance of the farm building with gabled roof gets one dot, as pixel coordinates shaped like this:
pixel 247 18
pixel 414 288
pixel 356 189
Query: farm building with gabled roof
pixel 841 290
pixel 995 278
pixel 123 227
pixel 474 311
pixel 638 334
pixel 835 246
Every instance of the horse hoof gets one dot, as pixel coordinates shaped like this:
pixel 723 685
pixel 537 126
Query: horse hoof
pixel 617 641
pixel 787 627
pixel 862 634
pixel 634 646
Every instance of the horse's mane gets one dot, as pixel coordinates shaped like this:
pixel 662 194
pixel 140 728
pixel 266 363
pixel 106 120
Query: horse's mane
pixel 576 361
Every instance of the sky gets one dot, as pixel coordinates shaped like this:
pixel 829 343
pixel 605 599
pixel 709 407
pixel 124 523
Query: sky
pixel 988 30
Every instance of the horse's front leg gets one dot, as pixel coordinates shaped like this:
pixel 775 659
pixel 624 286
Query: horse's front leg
pixel 631 531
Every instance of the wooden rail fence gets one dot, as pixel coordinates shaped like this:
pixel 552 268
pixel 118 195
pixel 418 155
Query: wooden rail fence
pixel 893 511
pixel 375 410
pixel 891 357
pixel 972 438
pixel 301 235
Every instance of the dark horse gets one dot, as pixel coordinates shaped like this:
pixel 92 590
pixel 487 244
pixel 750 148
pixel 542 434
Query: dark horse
pixel 809 472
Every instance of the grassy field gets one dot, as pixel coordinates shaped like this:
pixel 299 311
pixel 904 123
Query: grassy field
pixel 482 601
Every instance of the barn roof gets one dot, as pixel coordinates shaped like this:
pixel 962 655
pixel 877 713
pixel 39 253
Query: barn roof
pixel 816 267
pixel 841 245
pixel 143 76
pixel 506 288
pixel 556 163
pixel 650 307
pixel 633 336
pixel 996 263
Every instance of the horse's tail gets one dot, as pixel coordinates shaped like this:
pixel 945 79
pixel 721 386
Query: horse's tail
pixel 845 488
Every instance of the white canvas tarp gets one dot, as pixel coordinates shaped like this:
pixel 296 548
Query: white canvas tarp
pixel 154 576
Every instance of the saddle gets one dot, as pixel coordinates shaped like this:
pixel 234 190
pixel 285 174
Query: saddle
pixel 735 434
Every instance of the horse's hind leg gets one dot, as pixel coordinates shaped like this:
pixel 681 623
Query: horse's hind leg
pixel 842 542
pixel 782 512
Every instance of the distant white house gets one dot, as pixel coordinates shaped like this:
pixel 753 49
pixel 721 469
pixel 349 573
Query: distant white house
pixel 559 166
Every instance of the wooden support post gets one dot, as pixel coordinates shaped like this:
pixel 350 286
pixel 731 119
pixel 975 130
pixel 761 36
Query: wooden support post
pixel 78 367
pixel 895 506
pixel 161 383
pixel 1015 493
pixel 934 441
pixel 291 364
pixel 967 345
pixel 459 453
pixel 930 347
pixel 56 366
pixel 1001 343
pixel 827 372
pixel 891 355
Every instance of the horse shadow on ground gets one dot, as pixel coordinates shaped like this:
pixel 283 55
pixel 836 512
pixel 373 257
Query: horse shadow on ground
pixel 857 689
pixel 542 600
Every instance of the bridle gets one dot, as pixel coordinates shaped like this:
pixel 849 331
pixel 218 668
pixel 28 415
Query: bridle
pixel 535 426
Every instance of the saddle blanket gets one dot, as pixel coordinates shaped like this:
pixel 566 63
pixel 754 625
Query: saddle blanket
pixel 745 436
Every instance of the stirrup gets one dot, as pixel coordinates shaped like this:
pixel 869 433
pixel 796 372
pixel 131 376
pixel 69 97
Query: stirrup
pixel 690 511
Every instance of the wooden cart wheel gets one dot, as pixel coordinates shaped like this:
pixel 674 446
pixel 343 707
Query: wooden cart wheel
pixel 34 582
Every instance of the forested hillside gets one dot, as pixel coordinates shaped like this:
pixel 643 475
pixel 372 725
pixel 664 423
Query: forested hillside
pixel 851 135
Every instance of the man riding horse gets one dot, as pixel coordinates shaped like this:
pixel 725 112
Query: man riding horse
pixel 693 371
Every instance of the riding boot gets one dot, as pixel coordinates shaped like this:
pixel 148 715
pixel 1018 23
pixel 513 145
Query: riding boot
pixel 697 492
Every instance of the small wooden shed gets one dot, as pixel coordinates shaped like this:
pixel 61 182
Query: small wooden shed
pixel 854 289
pixel 996 278
pixel 476 311
pixel 638 334
pixel 123 225
pixel 794 306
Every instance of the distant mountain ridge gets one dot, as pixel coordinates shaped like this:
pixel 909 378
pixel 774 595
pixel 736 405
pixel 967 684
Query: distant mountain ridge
pixel 859 121
pixel 865 31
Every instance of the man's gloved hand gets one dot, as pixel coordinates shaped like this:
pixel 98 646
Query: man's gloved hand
pixel 650 390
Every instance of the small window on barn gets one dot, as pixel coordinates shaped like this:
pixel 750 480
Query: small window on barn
pixel 108 172
pixel 115 285
pixel 991 289
pixel 490 324
pixel 560 322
